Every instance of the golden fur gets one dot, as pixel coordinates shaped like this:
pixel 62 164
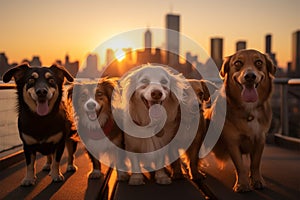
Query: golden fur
pixel 247 87
pixel 152 85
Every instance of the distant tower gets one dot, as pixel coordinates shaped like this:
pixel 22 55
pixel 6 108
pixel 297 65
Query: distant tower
pixel 269 49
pixel 241 45
pixel 268 43
pixel 148 39
pixel 216 51
pixel 92 63
pixel 172 38
pixel 295 65
pixel 35 62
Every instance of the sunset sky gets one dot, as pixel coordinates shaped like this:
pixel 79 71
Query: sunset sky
pixel 53 28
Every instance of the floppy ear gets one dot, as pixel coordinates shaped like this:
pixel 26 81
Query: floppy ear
pixel 16 72
pixel 70 92
pixel 178 85
pixel 270 65
pixel 109 85
pixel 206 94
pixel 61 72
pixel 225 67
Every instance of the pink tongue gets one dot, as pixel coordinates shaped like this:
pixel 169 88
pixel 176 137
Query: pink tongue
pixel 249 94
pixel 155 111
pixel 42 108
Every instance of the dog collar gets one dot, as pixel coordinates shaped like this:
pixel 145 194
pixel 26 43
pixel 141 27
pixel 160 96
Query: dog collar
pixel 108 126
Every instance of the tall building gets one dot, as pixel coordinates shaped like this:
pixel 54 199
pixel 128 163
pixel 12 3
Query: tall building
pixel 172 38
pixel 216 51
pixel 148 39
pixel 268 43
pixel 295 65
pixel 269 49
pixel 241 45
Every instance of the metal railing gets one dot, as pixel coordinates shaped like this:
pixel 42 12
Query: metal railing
pixel 8 127
pixel 285 85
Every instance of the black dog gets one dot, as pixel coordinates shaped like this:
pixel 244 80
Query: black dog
pixel 43 122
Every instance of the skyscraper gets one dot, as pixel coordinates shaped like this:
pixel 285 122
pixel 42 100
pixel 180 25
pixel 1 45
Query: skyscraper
pixel 268 43
pixel 241 45
pixel 295 65
pixel 216 51
pixel 172 38
pixel 269 49
pixel 148 39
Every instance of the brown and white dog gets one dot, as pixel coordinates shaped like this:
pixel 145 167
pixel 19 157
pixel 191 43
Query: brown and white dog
pixel 247 87
pixel 95 123
pixel 145 91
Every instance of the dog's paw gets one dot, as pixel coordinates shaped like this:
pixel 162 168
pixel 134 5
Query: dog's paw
pixel 162 178
pixel 123 176
pixel 242 188
pixel 47 167
pixel 95 174
pixel 136 179
pixel 72 168
pixel 28 181
pixel 258 184
pixel 57 177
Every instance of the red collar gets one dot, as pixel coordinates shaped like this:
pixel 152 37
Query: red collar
pixel 108 126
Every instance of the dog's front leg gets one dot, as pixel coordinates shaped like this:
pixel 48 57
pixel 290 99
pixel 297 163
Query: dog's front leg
pixel 256 178
pixel 242 182
pixel 55 172
pixel 30 178
pixel 136 178
pixel 71 148
pixel 161 177
pixel 47 165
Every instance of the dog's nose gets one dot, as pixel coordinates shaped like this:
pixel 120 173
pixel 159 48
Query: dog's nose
pixel 250 76
pixel 156 94
pixel 41 92
pixel 91 105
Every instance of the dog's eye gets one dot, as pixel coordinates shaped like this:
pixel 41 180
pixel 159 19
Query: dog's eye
pixel 31 81
pixel 238 64
pixel 145 81
pixel 51 81
pixel 164 81
pixel 258 63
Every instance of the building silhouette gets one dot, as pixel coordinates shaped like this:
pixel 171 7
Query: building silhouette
pixel 172 38
pixel 216 51
pixel 240 45
pixel 4 66
pixel 148 39
pixel 295 64
pixel 269 49
pixel 35 62
pixel 72 67
pixel 91 68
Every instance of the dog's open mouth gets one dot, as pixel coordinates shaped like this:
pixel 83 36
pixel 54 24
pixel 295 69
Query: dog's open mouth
pixel 249 92
pixel 148 104
pixel 42 107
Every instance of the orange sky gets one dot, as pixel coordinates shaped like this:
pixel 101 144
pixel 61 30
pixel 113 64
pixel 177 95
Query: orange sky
pixel 51 29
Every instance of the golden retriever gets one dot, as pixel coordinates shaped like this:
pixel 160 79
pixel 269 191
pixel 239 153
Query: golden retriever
pixel 95 123
pixel 247 87
pixel 151 95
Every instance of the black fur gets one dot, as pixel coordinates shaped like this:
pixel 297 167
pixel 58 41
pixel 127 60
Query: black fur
pixel 42 127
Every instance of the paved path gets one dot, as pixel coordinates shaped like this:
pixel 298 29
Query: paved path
pixel 280 169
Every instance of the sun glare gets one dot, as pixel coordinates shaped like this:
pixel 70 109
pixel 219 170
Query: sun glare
pixel 120 45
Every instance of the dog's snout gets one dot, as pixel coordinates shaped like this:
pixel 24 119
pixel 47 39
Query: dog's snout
pixel 156 94
pixel 41 92
pixel 91 105
pixel 250 76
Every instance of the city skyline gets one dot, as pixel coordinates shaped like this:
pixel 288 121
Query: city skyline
pixel 53 28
